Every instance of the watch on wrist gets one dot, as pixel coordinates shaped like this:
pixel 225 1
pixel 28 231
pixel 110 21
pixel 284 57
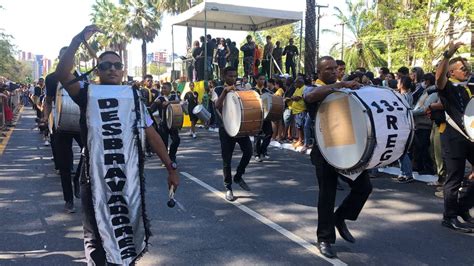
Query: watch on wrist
pixel 172 166
pixel 446 54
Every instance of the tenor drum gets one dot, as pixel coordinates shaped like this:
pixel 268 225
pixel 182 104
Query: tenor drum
pixel 362 129
pixel 67 113
pixel 242 113
pixel 468 119
pixel 273 107
pixel 174 116
pixel 202 113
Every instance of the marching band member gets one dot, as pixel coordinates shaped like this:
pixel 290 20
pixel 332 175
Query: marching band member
pixel 160 104
pixel 228 142
pixel 61 143
pixel 110 72
pixel 262 142
pixel 455 144
pixel 327 174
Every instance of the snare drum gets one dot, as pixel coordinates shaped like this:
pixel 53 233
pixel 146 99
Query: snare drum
pixel 242 113
pixel 363 129
pixel 273 107
pixel 67 113
pixel 174 116
pixel 468 119
pixel 202 113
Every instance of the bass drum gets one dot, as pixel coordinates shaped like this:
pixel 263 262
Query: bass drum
pixel 67 113
pixel 363 129
pixel 174 116
pixel 468 119
pixel 273 107
pixel 242 113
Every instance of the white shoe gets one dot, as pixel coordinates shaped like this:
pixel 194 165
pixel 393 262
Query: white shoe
pixel 194 135
pixel 258 159
pixel 46 143
pixel 229 195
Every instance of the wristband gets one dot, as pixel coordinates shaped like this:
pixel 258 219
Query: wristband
pixel 446 55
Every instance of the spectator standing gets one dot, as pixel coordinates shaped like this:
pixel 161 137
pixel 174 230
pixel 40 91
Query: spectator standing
pixel 291 51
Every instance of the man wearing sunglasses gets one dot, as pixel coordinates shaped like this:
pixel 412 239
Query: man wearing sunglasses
pixel 109 71
pixel 454 95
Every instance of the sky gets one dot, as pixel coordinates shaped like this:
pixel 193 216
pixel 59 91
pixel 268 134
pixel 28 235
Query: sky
pixel 44 26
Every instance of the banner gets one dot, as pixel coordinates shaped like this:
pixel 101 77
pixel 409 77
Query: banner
pixel 115 171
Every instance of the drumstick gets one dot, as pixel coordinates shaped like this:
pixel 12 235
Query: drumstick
pixel 171 202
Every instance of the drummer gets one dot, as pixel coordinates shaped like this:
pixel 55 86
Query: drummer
pixel 61 144
pixel 456 148
pixel 192 98
pixel 228 142
pixel 161 104
pixel 262 140
pixel 326 174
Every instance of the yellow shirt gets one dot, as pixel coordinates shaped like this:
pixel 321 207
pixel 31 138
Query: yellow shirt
pixel 279 92
pixel 298 106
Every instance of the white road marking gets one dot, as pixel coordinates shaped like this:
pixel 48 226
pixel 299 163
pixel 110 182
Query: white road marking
pixel 298 240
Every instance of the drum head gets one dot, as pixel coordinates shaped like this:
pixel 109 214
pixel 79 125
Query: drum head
pixel 342 129
pixel 469 119
pixel 169 116
pixel 232 113
pixel 197 109
pixel 266 103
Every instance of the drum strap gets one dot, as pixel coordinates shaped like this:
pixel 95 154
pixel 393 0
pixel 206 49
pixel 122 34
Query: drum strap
pixel 453 124
pixel 455 81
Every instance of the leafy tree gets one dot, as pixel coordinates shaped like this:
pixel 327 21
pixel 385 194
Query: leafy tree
pixel 144 22
pixel 179 6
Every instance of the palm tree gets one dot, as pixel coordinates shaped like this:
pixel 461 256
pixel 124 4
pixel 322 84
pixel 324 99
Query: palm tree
pixel 112 20
pixel 144 22
pixel 179 6
pixel 310 38
pixel 364 49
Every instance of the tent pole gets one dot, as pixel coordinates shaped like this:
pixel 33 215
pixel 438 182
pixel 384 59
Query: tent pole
pixel 173 74
pixel 205 44
pixel 301 41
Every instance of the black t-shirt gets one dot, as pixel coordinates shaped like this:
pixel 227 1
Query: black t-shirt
pixel 277 53
pixel 260 92
pixel 248 49
pixel 38 91
pixel 210 48
pixel 196 52
pixel 51 83
pixel 146 95
pixel 291 51
pixel 455 99
pixel 192 98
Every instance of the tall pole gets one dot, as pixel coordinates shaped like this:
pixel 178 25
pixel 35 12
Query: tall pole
pixel 317 29
pixel 301 44
pixel 342 41
pixel 173 75
pixel 205 44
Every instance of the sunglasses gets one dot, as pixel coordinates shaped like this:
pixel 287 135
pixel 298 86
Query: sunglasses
pixel 108 65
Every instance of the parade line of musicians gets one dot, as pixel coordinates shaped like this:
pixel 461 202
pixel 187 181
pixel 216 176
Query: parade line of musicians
pixel 431 95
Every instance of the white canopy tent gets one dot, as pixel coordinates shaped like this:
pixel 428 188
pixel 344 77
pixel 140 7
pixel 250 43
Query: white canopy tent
pixel 241 15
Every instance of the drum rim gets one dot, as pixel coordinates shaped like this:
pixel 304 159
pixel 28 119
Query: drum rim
pixel 241 113
pixel 169 114
pixel 371 137
pixel 465 117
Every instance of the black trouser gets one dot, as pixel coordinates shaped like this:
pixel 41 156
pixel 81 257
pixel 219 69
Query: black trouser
pixel 263 139
pixel 175 140
pixel 290 65
pixel 456 149
pixel 421 151
pixel 227 149
pixel 65 158
pixel 266 67
pixel 248 67
pixel 350 207
pixel 53 149
pixel 235 64
pixel 93 248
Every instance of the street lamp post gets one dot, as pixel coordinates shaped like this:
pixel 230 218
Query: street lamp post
pixel 317 29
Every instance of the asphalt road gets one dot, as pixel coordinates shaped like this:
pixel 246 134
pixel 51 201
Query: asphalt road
pixel 274 224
